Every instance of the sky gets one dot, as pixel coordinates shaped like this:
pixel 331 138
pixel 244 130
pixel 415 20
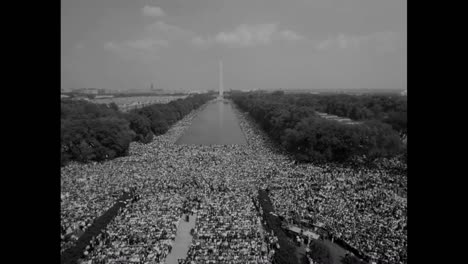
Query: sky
pixel 264 44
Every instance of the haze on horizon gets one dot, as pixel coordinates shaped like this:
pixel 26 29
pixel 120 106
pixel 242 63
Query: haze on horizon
pixel 264 44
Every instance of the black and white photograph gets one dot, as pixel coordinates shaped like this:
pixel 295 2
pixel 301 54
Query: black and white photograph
pixel 233 132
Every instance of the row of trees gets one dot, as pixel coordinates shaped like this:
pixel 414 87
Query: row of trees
pixel 97 132
pixel 310 138
pixel 390 109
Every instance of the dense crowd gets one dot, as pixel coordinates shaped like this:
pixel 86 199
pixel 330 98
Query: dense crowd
pixel 143 232
pixel 87 190
pixel 217 184
pixel 227 231
pixel 358 206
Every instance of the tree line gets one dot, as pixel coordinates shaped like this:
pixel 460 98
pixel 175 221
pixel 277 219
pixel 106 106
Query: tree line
pixel 97 132
pixel 389 109
pixel 292 122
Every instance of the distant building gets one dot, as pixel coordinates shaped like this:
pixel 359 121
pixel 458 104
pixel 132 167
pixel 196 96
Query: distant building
pixel 86 91
pixel 403 93
pixel 195 92
pixel 103 96
pixel 156 90
pixel 301 91
pixel 77 98
pixel 141 91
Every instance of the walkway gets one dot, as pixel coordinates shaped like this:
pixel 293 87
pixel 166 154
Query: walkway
pixel 336 252
pixel 182 240
pixel 306 232
pixel 74 253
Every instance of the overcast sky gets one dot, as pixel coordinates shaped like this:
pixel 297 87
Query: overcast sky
pixel 264 44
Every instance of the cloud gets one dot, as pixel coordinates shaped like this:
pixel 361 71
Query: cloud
pixel 388 41
pixel 140 44
pixel 147 44
pixel 161 29
pixel 340 42
pixel 381 42
pixel 290 35
pixel 151 41
pixel 111 46
pixel 200 42
pixel 141 49
pixel 152 11
pixel 249 35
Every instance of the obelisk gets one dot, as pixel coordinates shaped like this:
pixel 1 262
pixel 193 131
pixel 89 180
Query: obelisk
pixel 221 88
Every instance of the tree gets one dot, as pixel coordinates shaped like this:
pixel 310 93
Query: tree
pixel 99 132
pixel 290 120
pixel 278 93
pixel 85 152
pixel 114 106
pixel 95 139
pixel 398 121
pixel 141 125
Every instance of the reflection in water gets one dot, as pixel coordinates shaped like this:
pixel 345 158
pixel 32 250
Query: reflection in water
pixel 217 124
pixel 221 115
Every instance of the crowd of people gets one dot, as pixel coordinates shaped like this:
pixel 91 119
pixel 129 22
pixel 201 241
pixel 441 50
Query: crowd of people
pixel 217 184
pixel 142 233
pixel 359 206
pixel 227 231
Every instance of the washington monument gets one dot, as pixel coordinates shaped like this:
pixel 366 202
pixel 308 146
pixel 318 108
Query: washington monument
pixel 221 88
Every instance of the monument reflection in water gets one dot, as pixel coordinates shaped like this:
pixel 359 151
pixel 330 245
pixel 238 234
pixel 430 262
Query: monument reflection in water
pixel 217 124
